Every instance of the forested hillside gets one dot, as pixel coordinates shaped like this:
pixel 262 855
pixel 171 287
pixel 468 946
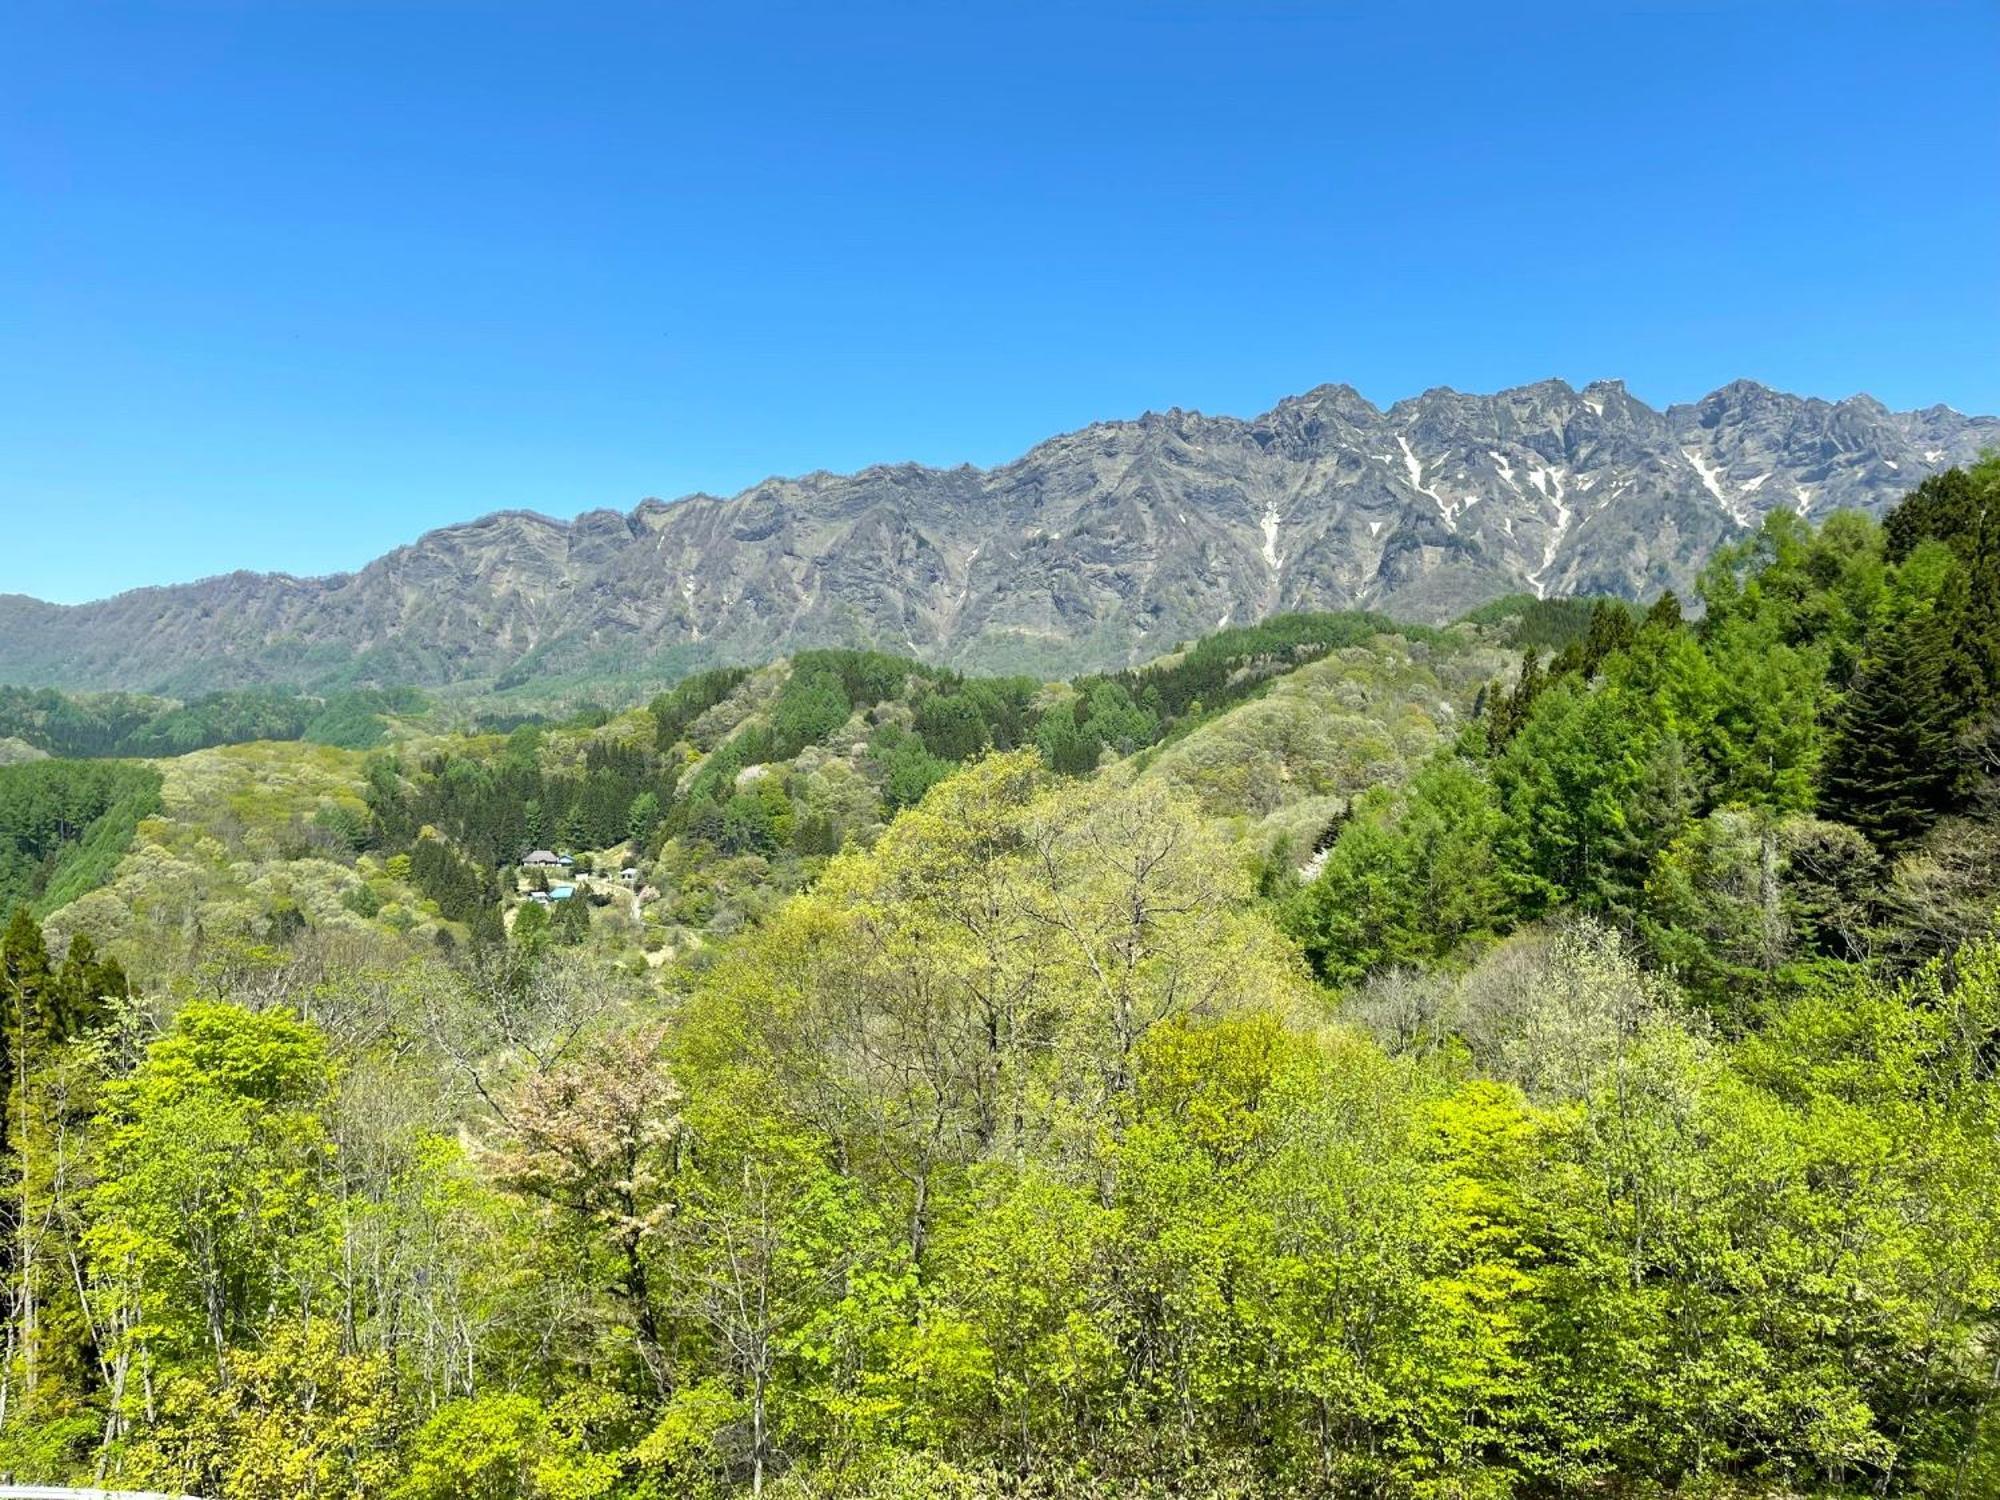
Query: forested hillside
pixel 135 724
pixel 64 826
pixel 1545 1056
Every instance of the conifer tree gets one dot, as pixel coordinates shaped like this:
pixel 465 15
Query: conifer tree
pixel 81 990
pixel 25 982
pixel 1509 710
pixel 1961 509
pixel 1665 613
pixel 1610 630
pixel 25 985
pixel 641 820
pixel 1894 764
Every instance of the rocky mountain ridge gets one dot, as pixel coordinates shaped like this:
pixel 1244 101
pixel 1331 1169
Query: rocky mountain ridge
pixel 1093 549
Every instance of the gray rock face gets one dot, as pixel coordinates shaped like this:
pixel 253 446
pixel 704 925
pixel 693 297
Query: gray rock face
pixel 1093 549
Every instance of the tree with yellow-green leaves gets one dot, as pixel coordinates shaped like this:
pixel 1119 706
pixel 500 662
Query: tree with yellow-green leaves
pixel 209 1216
pixel 1637 1139
pixel 54 1344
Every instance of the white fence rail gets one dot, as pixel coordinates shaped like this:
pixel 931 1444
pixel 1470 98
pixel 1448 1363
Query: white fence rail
pixel 56 1492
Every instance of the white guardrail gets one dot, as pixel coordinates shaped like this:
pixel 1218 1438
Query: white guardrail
pixel 56 1492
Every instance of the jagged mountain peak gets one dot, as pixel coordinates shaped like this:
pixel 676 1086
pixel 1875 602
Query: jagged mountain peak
pixel 495 523
pixel 1554 388
pixel 1095 547
pixel 1744 397
pixel 1340 400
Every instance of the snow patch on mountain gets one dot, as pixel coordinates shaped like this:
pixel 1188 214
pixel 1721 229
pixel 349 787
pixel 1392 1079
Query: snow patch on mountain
pixel 1712 482
pixel 1543 479
pixel 1416 468
pixel 1094 543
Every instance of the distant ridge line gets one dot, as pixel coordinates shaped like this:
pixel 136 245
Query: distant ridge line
pixel 1092 550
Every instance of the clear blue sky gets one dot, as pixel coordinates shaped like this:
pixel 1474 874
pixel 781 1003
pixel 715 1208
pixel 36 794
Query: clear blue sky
pixel 285 282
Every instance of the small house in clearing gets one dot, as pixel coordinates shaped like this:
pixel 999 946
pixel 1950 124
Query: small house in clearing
pixel 629 875
pixel 541 859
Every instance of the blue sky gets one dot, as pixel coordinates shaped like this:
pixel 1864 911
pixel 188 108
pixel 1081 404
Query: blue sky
pixel 285 282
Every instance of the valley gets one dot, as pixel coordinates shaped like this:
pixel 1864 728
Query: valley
pixel 1337 1056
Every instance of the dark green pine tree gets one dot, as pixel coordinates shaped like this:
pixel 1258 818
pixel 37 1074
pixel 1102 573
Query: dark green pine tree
pixel 82 992
pixel 1960 508
pixel 488 929
pixel 1611 630
pixel 704 821
pixel 25 982
pixel 1894 762
pixel 1509 709
pixel 570 923
pixel 1665 613
pixel 1949 507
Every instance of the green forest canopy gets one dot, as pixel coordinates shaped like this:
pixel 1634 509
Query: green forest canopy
pixel 1611 1110
pixel 134 725
pixel 64 824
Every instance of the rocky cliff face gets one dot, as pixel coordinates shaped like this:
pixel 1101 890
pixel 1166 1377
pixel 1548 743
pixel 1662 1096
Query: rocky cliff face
pixel 1095 548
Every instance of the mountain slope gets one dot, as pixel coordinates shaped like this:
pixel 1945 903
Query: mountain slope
pixel 1096 548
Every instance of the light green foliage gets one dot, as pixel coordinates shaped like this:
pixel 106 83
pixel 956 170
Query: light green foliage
pixel 1569 782
pixel 298 1417
pixel 1016 1148
pixel 966 1130
pixel 209 1215
pixel 504 1447
pixel 1754 716
pixel 1793 584
pixel 1599 776
pixel 242 833
pixel 530 927
pixel 1364 715
pixel 1742 895
pixel 1767 1225
pixel 908 771
pixel 1408 879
